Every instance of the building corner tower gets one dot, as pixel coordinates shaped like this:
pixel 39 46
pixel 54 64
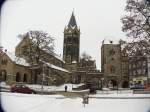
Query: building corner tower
pixel 71 45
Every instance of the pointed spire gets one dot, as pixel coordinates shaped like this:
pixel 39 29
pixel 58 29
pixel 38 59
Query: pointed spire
pixel 72 21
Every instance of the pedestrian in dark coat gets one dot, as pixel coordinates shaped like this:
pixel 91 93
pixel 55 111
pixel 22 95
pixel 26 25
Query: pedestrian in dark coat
pixel 65 88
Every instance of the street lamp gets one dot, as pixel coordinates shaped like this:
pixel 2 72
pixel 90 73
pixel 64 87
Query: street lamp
pixel 43 76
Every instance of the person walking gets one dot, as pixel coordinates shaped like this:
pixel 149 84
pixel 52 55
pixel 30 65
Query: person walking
pixel 65 88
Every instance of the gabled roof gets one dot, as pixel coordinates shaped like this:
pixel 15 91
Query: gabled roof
pixel 72 22
pixel 27 37
pixel 17 60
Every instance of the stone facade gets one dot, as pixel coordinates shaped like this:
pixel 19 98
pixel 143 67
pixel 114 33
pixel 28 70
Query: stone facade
pixel 86 72
pixel 124 70
pixel 17 67
pixel 12 72
pixel 71 45
pixel 114 65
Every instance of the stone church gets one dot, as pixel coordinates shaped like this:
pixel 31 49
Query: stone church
pixel 82 70
pixel 16 68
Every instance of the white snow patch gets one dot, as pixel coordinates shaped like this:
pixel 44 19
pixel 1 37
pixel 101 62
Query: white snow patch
pixel 55 88
pixel 4 85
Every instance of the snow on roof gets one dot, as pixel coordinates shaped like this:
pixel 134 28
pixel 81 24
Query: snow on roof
pixel 55 55
pixel 110 41
pixel 58 57
pixel 17 60
pixel 56 67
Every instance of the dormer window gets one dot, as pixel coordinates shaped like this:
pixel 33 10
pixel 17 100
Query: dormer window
pixel 24 50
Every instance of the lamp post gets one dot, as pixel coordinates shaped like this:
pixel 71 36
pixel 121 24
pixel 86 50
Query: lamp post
pixel 102 79
pixel 43 77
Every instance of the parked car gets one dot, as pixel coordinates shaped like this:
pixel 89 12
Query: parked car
pixel 92 87
pixel 19 88
pixel 92 90
pixel 137 86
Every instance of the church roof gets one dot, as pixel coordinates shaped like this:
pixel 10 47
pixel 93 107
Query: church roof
pixel 72 21
pixel 17 60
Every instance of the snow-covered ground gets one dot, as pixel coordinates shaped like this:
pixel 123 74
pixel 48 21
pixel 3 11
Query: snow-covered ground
pixel 16 102
pixel 70 88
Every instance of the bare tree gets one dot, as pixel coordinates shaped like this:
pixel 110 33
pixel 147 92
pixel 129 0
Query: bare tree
pixel 39 43
pixel 136 24
pixel 86 56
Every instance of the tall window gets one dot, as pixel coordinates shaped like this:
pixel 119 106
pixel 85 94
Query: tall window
pixel 25 78
pixel 3 75
pixel 24 50
pixel 18 77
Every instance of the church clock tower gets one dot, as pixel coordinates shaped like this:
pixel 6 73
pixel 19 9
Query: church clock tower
pixel 71 46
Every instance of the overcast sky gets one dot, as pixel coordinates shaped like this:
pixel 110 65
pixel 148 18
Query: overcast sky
pixel 97 19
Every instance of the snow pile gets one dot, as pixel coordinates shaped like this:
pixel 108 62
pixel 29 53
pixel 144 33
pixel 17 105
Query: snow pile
pixel 115 95
pixel 4 85
pixel 17 60
pixel 115 91
pixel 55 88
pixel 15 102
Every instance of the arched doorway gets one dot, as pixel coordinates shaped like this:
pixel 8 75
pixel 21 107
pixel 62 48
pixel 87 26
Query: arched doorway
pixel 113 83
pixel 3 75
pixel 18 77
pixel 25 78
pixel 125 84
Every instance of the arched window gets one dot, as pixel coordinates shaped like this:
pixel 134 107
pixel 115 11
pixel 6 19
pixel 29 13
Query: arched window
pixel 112 69
pixel 113 83
pixel 25 78
pixel 18 77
